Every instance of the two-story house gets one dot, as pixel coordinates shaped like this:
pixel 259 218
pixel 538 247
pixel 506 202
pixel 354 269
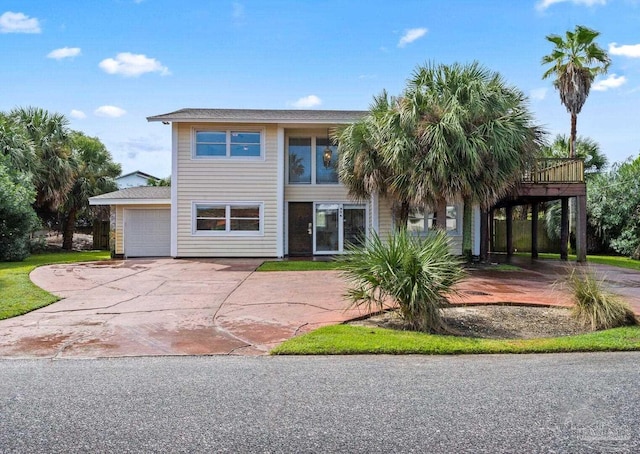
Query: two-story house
pixel 253 183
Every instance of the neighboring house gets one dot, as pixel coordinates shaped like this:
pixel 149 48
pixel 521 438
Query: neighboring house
pixel 134 179
pixel 253 183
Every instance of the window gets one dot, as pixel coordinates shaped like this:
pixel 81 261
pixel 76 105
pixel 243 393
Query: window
pixel 312 161
pixel 422 221
pixel 299 161
pixel 234 144
pixel 326 166
pixel 215 218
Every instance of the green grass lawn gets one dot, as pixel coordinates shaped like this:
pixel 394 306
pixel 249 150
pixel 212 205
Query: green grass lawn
pixel 298 265
pixel 613 260
pixel 350 340
pixel 19 295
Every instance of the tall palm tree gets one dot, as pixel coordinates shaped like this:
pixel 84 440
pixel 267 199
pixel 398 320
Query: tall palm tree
pixel 94 173
pixel 474 134
pixel 575 62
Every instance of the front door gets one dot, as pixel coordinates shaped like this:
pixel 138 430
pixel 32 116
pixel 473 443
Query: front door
pixel 300 228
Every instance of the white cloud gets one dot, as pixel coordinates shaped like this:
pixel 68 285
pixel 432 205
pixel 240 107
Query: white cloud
pixel 538 94
pixel 627 50
pixel 307 102
pixel 78 114
pixel 18 23
pixel 64 52
pixel 544 4
pixel 411 35
pixel 132 65
pixel 109 111
pixel 612 81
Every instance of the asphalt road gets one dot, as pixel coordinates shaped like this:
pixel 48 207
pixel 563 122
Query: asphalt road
pixel 529 403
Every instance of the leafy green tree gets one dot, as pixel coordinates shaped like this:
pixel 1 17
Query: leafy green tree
pixel 16 146
pixel 159 182
pixel 17 217
pixel 418 274
pixel 613 207
pixel 94 173
pixel 575 62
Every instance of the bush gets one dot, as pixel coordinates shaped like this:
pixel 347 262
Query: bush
pixel 416 273
pixel 594 306
pixel 17 217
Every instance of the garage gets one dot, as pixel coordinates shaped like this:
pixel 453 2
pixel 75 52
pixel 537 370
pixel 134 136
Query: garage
pixel 147 232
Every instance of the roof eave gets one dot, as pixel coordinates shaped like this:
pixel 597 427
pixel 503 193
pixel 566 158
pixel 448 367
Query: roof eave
pixel 105 201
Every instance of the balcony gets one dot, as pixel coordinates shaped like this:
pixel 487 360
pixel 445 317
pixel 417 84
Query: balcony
pixel 555 170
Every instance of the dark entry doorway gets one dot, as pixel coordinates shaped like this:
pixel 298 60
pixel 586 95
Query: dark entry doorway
pixel 300 228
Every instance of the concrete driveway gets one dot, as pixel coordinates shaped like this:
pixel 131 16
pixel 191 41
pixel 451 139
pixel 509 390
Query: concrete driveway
pixel 212 306
pixel 171 307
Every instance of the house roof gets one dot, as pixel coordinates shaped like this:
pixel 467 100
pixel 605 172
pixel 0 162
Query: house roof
pixel 138 173
pixel 261 116
pixel 144 195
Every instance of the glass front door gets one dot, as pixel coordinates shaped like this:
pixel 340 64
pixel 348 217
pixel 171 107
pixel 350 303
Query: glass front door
pixel 338 224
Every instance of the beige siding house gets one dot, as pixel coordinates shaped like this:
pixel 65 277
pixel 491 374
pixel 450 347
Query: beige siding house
pixel 252 183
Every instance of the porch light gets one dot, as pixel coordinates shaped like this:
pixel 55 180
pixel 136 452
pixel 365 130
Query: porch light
pixel 326 157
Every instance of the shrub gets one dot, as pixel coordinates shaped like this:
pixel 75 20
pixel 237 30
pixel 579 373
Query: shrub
pixel 418 274
pixel 17 218
pixel 594 306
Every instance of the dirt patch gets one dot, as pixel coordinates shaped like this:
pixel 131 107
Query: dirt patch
pixel 495 322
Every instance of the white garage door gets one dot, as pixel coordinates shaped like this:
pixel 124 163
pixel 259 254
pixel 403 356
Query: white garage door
pixel 147 233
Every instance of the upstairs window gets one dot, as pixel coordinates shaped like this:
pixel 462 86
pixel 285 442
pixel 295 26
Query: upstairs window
pixel 228 144
pixel 312 160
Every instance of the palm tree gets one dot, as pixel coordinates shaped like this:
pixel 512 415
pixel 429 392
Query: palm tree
pixel 49 134
pixel 474 134
pixel 575 63
pixel 365 166
pixel 94 173
pixel 588 149
pixel 16 146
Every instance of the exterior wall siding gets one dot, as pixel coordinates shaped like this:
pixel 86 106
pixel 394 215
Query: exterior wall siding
pixel 226 180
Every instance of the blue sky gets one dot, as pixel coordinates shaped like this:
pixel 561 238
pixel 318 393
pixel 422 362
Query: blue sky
pixel 108 64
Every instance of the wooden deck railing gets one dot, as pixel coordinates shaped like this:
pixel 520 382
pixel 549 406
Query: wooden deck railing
pixel 555 170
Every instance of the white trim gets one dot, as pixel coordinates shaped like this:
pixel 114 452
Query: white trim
pixel 476 230
pixel 341 205
pixel 228 130
pixel 174 189
pixel 280 211
pixel 375 212
pixel 130 202
pixel 227 205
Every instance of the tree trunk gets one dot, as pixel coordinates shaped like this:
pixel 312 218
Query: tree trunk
pixel 572 144
pixel 401 214
pixel 440 220
pixel 69 227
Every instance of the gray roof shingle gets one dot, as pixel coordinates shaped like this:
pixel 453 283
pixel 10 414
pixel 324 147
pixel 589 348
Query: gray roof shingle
pixel 140 192
pixel 262 116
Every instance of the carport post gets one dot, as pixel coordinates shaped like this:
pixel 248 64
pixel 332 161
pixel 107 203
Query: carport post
pixel 534 230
